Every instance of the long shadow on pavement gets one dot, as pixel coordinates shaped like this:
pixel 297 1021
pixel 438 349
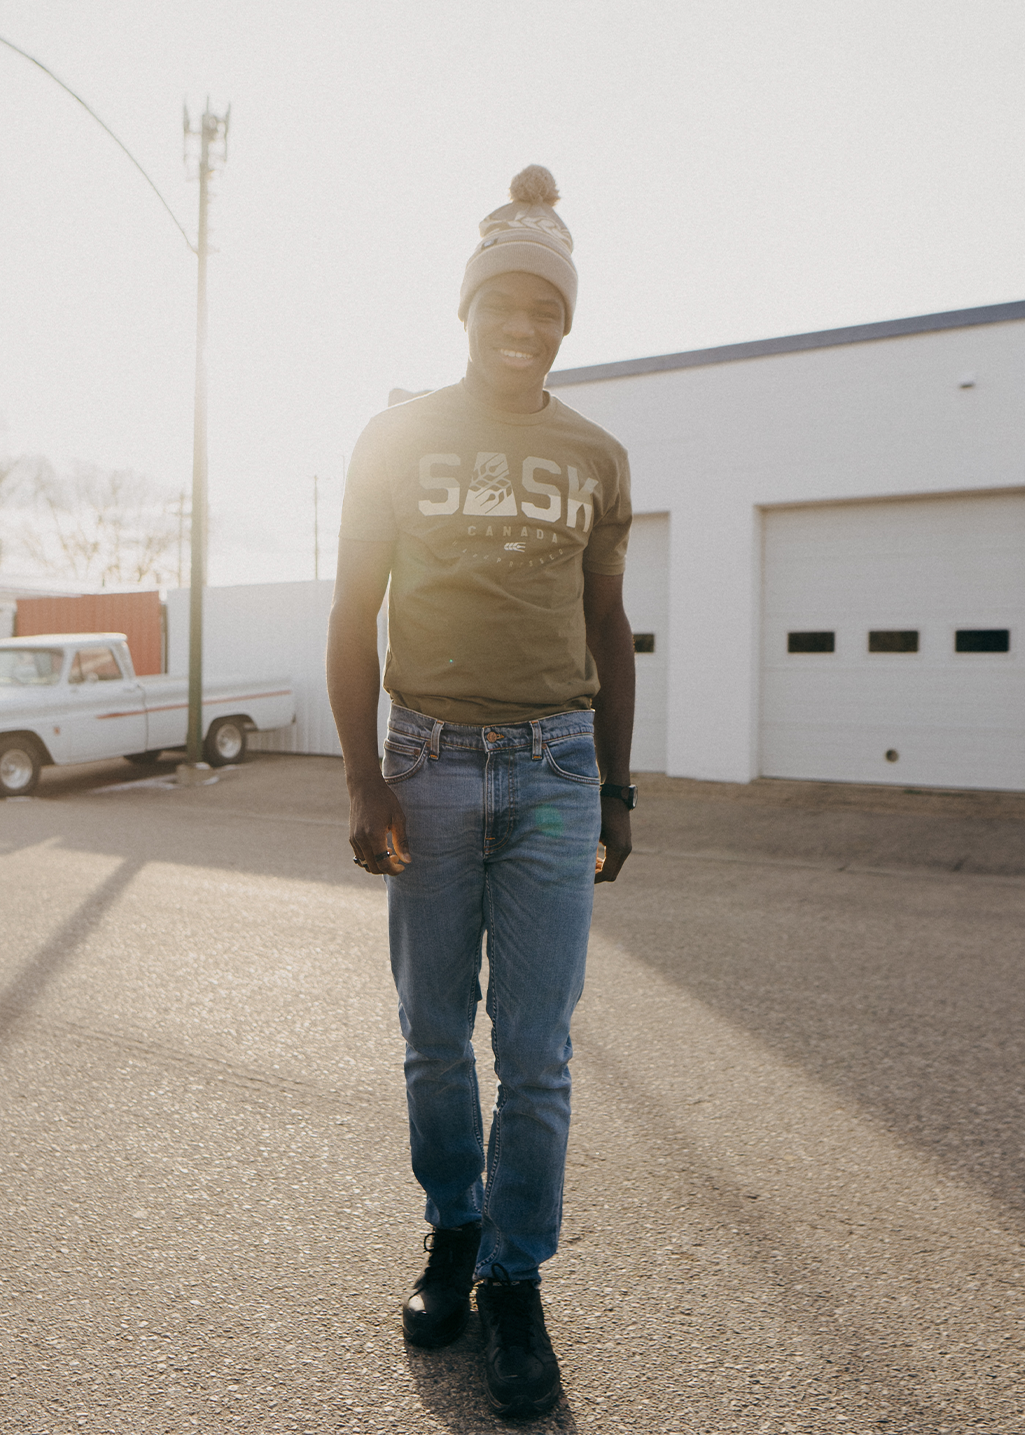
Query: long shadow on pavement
pixel 902 993
pixel 29 983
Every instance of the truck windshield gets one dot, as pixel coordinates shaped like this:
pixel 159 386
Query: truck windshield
pixel 29 667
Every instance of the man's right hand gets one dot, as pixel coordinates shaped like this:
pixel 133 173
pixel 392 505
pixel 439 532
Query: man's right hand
pixel 377 824
pixel 377 828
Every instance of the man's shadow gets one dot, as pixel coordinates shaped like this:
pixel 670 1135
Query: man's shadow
pixel 450 1384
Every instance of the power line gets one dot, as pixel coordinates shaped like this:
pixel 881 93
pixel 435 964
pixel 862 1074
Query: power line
pixel 56 78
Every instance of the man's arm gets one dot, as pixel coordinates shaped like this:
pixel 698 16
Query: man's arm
pixel 354 686
pixel 611 643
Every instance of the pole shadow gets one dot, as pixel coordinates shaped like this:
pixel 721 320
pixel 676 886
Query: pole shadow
pixel 27 985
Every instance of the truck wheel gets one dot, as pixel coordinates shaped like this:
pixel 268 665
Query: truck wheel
pixel 19 766
pixel 144 757
pixel 225 741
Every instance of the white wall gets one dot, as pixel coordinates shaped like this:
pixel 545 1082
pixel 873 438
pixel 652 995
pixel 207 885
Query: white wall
pixel 713 445
pixel 264 630
pixel 646 599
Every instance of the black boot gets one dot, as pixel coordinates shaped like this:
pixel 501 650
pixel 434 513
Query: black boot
pixel 437 1310
pixel 521 1373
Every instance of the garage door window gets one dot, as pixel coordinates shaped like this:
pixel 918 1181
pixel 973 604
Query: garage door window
pixel 811 642
pixel 893 640
pixel 982 640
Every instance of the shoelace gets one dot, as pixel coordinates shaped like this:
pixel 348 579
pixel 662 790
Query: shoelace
pixel 514 1308
pixel 443 1249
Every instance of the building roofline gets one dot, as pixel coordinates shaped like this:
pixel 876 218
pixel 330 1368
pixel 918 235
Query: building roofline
pixel 34 640
pixel 792 343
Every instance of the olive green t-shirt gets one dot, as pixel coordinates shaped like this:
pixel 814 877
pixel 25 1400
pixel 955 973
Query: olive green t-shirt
pixel 495 518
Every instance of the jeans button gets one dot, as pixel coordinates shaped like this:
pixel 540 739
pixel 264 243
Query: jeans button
pixel 493 736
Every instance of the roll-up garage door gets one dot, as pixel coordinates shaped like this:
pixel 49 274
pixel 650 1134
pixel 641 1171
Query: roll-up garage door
pixel 893 642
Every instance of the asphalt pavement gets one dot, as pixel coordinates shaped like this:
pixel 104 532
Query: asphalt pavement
pixel 795 1196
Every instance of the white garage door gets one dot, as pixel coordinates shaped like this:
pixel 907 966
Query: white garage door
pixel 893 642
pixel 646 599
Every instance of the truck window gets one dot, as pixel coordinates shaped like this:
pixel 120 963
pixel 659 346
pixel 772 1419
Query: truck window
pixel 94 665
pixel 30 667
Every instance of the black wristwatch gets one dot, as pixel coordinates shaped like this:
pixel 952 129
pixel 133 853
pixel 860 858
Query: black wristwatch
pixel 625 794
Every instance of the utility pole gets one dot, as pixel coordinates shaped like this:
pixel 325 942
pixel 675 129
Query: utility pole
pixel 212 131
pixel 316 533
pixel 181 534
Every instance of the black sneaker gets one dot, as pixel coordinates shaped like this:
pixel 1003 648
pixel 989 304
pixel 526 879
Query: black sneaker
pixel 437 1310
pixel 521 1373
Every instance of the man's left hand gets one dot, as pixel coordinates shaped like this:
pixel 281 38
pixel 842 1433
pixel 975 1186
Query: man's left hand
pixel 615 835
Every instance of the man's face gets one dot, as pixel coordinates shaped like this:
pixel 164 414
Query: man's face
pixel 515 326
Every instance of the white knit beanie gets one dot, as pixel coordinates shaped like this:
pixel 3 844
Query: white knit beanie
pixel 527 236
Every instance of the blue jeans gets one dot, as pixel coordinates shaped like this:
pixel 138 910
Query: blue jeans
pixel 503 825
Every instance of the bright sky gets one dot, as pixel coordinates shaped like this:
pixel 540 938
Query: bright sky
pixel 731 170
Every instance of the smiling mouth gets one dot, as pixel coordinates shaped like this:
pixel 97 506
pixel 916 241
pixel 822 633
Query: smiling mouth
pixel 518 354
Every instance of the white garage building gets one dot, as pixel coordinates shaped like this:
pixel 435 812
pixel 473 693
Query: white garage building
pixel 829 553
pixel 827 565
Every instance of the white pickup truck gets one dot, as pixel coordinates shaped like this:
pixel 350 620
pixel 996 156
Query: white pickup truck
pixel 74 697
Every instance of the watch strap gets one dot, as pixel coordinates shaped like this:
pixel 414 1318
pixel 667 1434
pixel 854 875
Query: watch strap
pixel 627 795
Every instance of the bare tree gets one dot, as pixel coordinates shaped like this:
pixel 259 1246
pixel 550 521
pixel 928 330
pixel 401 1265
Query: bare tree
pixel 15 478
pixel 100 527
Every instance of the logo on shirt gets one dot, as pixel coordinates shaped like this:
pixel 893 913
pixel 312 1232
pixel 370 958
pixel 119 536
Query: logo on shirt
pixel 569 500
pixel 491 492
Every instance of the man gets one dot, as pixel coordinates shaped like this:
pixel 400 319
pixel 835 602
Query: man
pixel 500 518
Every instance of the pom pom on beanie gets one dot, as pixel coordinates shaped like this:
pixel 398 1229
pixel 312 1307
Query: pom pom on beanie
pixel 527 236
pixel 534 185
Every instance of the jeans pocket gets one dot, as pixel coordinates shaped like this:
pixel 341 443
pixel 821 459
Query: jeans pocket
pixel 574 757
pixel 403 756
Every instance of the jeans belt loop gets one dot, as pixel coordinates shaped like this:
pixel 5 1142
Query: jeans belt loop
pixel 436 738
pixel 535 750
